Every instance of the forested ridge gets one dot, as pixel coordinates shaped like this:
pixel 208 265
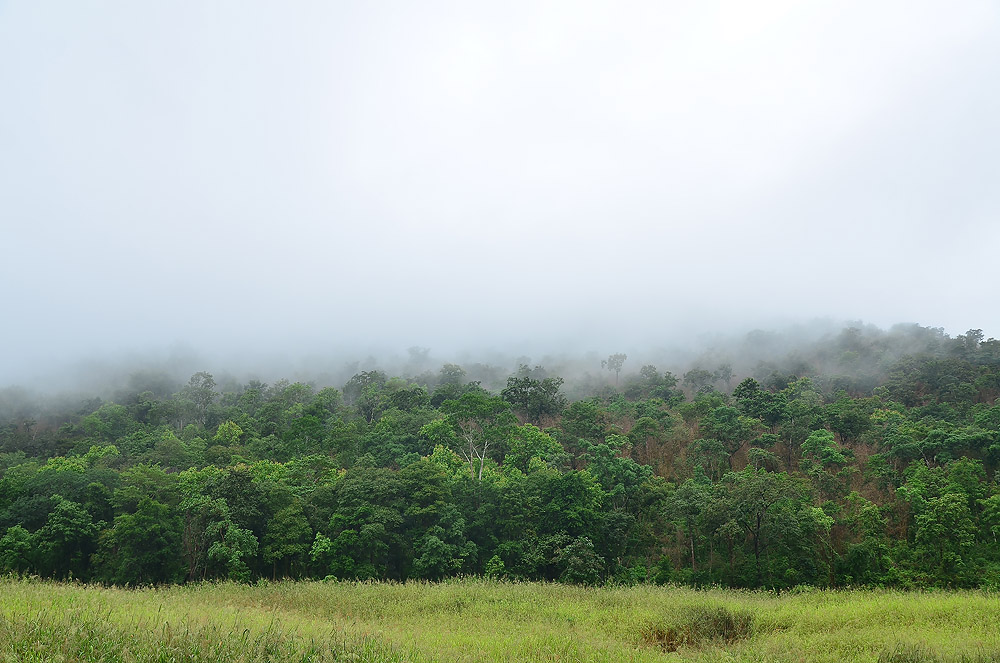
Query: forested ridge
pixel 868 458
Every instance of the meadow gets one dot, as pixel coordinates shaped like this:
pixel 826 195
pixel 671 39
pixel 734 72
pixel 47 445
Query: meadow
pixel 477 620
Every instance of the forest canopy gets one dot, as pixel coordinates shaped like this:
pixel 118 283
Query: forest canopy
pixel 866 458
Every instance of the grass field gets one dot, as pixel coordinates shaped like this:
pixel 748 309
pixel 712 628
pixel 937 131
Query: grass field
pixel 474 620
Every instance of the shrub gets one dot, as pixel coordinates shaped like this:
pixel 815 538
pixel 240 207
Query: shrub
pixel 699 626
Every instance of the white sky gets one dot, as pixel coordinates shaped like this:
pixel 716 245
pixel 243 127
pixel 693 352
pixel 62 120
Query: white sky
pixel 307 175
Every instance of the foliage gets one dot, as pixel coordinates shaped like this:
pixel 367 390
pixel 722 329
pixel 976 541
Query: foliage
pixel 806 474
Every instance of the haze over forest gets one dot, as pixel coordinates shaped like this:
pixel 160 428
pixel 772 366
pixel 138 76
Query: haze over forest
pixel 237 186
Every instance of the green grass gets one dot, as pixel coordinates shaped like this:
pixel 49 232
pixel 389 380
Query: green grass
pixel 474 620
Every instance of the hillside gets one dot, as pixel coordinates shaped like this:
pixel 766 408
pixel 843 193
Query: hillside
pixel 867 457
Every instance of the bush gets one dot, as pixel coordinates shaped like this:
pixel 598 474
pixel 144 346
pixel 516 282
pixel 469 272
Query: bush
pixel 579 563
pixel 699 626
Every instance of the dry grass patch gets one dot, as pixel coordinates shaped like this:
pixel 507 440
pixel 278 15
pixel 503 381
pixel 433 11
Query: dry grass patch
pixel 700 626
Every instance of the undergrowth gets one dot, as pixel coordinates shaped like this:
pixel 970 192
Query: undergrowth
pixel 699 626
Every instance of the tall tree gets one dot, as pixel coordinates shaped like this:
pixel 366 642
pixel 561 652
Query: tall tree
pixel 142 547
pixel 534 399
pixel 615 363
pixel 753 502
pixel 483 424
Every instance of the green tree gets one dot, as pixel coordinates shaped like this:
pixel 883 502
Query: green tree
pixel 528 443
pixel 755 402
pixel 109 423
pixel 228 433
pixel 945 533
pixel 201 520
pixel 698 379
pixel 451 374
pixel 620 477
pixel 687 507
pixel 442 548
pixel 867 558
pixel 64 544
pixel 482 423
pixel 363 391
pixel 16 550
pixel 233 547
pixel 821 448
pixel 849 418
pixel 200 391
pixel 534 399
pixel 245 498
pixel 287 540
pixel 583 423
pixel 142 547
pixel 650 383
pixel 579 563
pixel 732 429
pixel 364 531
pixel 753 501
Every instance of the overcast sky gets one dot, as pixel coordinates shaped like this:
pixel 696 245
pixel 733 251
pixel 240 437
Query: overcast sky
pixel 301 175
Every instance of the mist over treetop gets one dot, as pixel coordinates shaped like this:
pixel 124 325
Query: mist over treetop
pixel 856 356
pixel 819 347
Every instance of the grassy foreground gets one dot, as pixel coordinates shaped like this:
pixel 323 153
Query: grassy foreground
pixel 474 620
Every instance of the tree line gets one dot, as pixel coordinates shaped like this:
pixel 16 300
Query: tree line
pixel 794 475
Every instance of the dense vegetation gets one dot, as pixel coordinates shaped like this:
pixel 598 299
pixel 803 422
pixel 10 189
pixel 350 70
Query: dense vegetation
pixel 867 459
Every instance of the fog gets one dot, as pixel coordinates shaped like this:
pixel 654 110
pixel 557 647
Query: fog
pixel 266 186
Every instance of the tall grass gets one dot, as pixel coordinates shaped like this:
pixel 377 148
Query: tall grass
pixel 477 620
pixel 58 622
